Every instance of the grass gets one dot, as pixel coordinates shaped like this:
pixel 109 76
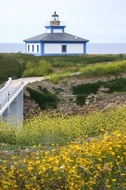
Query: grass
pixel 18 64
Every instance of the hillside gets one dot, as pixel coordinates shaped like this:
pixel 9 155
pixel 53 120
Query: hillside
pixel 60 91
pixel 59 146
pixel 102 100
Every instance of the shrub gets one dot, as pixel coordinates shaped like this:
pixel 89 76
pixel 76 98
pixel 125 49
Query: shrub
pixel 7 133
pixel 8 137
pixel 116 85
pixel 9 67
pixel 83 90
pixel 41 68
pixel 44 98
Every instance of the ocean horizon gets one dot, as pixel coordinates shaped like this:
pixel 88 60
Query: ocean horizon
pixel 92 48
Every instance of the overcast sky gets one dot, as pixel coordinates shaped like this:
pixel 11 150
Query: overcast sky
pixel 100 21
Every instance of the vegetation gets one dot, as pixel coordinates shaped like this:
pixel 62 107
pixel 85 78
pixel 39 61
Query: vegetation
pixel 69 152
pixel 43 97
pixel 37 69
pixel 75 152
pixel 83 90
pixel 9 67
pixel 112 68
pixel 18 65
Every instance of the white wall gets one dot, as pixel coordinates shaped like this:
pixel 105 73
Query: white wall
pixel 48 31
pixel 52 48
pixel 75 48
pixel 35 47
pixel 57 30
pixel 57 48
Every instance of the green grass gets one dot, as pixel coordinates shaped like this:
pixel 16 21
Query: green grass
pixel 47 128
pixel 16 65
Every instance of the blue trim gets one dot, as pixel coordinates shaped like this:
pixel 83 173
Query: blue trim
pixel 42 48
pixel 62 54
pixel 84 48
pixel 52 28
pixel 55 27
pixel 32 53
pixel 64 42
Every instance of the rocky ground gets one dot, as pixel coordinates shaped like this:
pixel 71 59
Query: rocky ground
pixel 100 101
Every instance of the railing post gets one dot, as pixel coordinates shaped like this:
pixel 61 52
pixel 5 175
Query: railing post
pixel 8 96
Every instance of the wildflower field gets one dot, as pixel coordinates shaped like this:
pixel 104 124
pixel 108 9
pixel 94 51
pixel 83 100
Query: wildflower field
pixel 76 152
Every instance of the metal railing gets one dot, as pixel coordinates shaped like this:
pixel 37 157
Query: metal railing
pixel 10 95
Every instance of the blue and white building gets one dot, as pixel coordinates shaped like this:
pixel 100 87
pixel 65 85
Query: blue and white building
pixel 55 41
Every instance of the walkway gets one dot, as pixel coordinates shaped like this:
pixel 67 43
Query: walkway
pixel 12 88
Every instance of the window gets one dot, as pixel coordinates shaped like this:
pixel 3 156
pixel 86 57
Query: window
pixel 64 48
pixel 28 48
pixel 37 48
pixel 32 48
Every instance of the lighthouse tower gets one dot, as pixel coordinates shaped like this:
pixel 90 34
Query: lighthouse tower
pixel 55 41
pixel 55 25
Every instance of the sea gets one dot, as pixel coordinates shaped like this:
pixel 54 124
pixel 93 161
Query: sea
pixel 92 48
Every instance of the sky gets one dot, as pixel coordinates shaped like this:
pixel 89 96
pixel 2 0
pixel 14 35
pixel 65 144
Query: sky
pixel 99 21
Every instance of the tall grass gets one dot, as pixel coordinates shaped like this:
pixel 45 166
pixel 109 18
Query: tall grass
pixel 47 128
pixel 40 68
pixel 114 68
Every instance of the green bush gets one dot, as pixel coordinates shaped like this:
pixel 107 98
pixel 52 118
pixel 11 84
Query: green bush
pixel 116 85
pixel 87 88
pixel 83 90
pixel 40 68
pixel 7 136
pixel 81 99
pixel 44 98
pixel 9 67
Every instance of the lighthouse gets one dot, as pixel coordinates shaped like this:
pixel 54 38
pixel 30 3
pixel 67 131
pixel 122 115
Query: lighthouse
pixel 55 41
pixel 55 25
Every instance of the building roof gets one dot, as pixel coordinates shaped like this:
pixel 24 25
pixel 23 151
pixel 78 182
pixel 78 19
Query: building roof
pixel 50 37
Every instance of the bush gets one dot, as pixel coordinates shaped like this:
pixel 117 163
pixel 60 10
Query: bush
pixel 41 68
pixel 44 98
pixel 83 90
pixel 116 85
pixel 87 88
pixel 9 67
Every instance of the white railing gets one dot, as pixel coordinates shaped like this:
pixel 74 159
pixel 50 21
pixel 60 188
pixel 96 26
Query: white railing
pixel 5 84
pixel 9 96
pixel 2 85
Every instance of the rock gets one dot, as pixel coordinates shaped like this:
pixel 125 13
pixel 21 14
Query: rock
pixel 100 101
